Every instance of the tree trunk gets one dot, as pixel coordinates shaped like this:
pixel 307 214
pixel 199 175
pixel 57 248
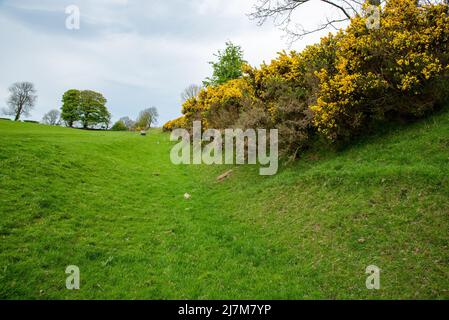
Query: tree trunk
pixel 19 111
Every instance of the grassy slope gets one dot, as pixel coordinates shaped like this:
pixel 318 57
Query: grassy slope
pixel 112 203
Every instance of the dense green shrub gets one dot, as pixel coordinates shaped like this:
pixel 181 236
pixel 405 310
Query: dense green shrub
pixel 119 126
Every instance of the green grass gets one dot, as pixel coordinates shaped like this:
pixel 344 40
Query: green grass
pixel 112 204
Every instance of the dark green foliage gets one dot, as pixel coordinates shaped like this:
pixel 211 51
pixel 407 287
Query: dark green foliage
pixel 70 111
pixel 88 107
pixel 93 111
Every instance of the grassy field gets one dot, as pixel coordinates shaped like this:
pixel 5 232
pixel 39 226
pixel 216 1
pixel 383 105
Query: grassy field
pixel 112 204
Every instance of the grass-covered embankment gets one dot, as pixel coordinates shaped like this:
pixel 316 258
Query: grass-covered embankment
pixel 112 204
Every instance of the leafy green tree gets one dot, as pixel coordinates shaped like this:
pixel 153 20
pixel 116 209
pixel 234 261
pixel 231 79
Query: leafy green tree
pixel 228 65
pixel 119 126
pixel 88 107
pixel 93 110
pixel 146 118
pixel 70 111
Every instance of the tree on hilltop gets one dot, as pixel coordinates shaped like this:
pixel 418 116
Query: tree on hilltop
pixel 21 100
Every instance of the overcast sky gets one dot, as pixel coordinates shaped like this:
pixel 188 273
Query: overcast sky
pixel 137 53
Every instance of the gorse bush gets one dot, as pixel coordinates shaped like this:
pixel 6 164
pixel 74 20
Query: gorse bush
pixel 175 124
pixel 341 86
pixel 400 69
pixel 218 106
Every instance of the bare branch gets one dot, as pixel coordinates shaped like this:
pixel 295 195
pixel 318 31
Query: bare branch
pixel 294 36
pixel 21 100
pixel 281 12
pixel 190 92
pixel 337 6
